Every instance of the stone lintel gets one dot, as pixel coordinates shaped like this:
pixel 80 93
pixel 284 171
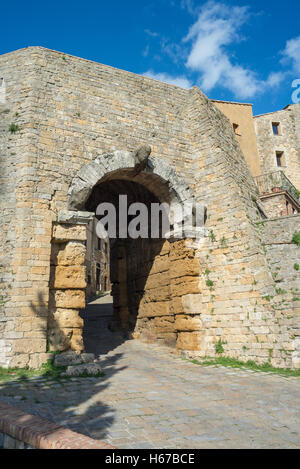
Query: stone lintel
pixel 75 217
pixel 191 233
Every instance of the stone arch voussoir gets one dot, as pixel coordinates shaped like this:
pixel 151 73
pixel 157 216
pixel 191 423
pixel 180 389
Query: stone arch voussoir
pixel 91 173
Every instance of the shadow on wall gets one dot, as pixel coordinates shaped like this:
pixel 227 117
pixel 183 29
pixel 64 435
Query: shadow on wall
pixel 59 327
pixel 141 288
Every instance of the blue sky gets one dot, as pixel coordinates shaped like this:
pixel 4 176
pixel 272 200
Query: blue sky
pixel 233 50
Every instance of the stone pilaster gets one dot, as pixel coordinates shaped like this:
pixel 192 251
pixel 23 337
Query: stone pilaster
pixel 67 281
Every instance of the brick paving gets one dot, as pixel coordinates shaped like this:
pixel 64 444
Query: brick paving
pixel 151 398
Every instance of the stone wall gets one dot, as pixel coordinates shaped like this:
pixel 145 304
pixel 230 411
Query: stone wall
pixel 241 114
pixel 284 258
pixel 75 112
pixel 235 279
pixel 21 263
pixel 288 141
pixel 7 231
pixel 2 91
pixel 279 204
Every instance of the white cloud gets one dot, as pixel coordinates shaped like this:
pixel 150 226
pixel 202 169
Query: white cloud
pixel 292 53
pixel 206 51
pixel 146 51
pixel 180 81
pixel 188 5
pixel 175 51
pixel 218 26
pixel 275 78
pixel 151 33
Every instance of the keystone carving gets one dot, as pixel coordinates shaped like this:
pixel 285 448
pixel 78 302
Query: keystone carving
pixel 141 157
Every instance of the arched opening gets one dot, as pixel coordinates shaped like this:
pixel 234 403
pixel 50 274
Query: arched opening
pixel 139 267
pixel 151 274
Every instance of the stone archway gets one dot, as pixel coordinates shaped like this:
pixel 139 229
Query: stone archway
pixel 153 281
pixel 163 174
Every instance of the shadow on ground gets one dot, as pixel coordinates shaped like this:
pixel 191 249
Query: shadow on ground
pixel 72 402
pixel 75 402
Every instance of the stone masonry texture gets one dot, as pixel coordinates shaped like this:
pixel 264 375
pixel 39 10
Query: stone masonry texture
pixel 288 141
pixel 78 125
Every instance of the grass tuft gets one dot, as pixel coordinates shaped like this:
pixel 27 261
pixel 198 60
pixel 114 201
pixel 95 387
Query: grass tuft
pixel 13 128
pixel 296 238
pixel 249 365
pixel 47 370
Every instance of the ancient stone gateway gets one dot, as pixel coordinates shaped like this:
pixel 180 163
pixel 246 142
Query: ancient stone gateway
pixel 147 274
pixel 78 126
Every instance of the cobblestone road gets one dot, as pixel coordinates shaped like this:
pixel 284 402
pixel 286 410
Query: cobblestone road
pixel 150 398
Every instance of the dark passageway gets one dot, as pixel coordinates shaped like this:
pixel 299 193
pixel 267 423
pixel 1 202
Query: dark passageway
pixel 98 338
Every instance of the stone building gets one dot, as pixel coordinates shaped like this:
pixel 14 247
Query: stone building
pixel 278 141
pixel 71 133
pixel 97 262
pixel 271 146
pixel 241 118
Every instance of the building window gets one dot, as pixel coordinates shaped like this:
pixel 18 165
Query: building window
pixel 235 129
pixel 276 128
pixel 279 158
pixel 99 244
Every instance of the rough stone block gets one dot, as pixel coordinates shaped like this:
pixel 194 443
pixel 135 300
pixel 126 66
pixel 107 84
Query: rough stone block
pixel 188 323
pixel 189 341
pixel 188 285
pixel 154 309
pixel 70 299
pixel 77 340
pixel 68 277
pixel 184 267
pixel 20 361
pixel 86 369
pixel 63 233
pixel 60 339
pixel 65 318
pixel 162 324
pixel 157 294
pixel 71 253
pixel 31 324
pixel 192 303
pixel 68 358
pixel 26 346
pixel 38 359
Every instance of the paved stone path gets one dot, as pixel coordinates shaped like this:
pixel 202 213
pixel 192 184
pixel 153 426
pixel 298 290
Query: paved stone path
pixel 151 398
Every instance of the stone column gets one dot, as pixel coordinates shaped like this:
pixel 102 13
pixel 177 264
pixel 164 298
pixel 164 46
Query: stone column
pixel 67 281
pixel 185 295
